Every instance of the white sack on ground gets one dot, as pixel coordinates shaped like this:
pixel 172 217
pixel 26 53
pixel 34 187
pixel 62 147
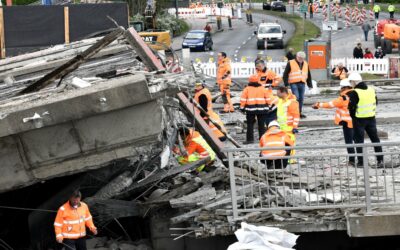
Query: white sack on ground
pixel 252 237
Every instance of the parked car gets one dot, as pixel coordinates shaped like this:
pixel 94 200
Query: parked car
pixel 266 6
pixel 269 35
pixel 198 40
pixel 278 6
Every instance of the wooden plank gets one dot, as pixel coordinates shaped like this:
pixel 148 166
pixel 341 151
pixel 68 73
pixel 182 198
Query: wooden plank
pixel 143 50
pixel 66 24
pixel 2 36
pixel 73 64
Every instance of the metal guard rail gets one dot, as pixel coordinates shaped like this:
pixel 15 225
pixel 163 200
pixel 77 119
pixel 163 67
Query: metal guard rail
pixel 322 180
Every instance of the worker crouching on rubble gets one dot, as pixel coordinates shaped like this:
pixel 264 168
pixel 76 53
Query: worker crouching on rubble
pixel 71 221
pixel 275 137
pixel 196 148
pixel 342 116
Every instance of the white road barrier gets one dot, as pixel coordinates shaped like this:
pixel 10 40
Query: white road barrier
pixel 201 12
pixel 246 69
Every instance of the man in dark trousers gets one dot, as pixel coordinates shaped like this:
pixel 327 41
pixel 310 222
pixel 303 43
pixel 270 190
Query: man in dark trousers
pixel 358 52
pixel 255 102
pixel 296 75
pixel 362 107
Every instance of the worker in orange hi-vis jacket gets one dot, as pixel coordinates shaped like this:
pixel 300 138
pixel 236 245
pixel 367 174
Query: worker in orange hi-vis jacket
pixel 342 116
pixel 71 221
pixel 224 81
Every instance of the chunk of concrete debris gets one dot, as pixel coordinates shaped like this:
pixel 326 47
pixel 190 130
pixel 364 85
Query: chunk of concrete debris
pixel 79 83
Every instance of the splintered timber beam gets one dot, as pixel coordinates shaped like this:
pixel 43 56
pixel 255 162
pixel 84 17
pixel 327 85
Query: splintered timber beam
pixel 190 111
pixel 74 63
pixel 143 50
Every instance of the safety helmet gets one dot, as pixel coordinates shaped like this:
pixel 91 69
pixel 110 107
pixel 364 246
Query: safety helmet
pixel 198 84
pixel 354 76
pixel 273 123
pixel 345 83
pixel 253 78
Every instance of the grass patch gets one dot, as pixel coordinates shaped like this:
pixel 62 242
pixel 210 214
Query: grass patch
pixel 367 76
pixel 297 40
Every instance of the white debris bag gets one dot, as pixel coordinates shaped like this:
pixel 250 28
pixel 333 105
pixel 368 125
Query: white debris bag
pixel 314 91
pixel 252 237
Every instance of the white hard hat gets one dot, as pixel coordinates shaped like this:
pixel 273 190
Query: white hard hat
pixel 354 76
pixel 345 83
pixel 273 123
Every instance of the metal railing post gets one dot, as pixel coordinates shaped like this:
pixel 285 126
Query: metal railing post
pixel 366 180
pixel 233 185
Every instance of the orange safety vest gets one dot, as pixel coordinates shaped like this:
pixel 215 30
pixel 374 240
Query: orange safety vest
pixel 207 93
pixel 71 223
pixel 215 117
pixel 340 73
pixel 195 143
pixel 341 104
pixel 268 78
pixel 224 72
pixel 296 74
pixel 275 137
pixel 255 99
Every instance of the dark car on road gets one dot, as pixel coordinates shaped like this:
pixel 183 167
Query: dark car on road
pixel 275 5
pixel 198 40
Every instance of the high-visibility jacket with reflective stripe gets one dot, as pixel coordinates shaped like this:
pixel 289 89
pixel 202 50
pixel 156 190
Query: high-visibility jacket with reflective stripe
pixel 391 8
pixel 207 93
pixel 215 117
pixel 288 114
pixel 296 74
pixel 71 223
pixel 195 143
pixel 377 8
pixel 366 106
pixel 268 78
pixel 224 72
pixel 341 104
pixel 275 137
pixel 255 99
pixel 341 73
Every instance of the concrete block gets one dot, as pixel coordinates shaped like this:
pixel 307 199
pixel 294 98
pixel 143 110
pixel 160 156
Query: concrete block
pixel 372 225
pixel 13 173
pixel 103 97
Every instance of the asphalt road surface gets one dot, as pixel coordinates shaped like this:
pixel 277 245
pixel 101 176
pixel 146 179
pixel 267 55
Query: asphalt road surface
pixel 241 42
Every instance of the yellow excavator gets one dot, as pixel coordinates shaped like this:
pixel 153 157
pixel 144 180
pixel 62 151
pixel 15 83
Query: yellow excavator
pixel 157 39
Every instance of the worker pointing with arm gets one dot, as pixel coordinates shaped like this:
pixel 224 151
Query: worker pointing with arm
pixel 342 116
pixel 71 221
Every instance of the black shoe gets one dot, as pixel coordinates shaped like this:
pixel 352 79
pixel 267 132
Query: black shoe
pixel 303 116
pixel 351 163
pixel 380 164
pixel 248 142
pixel 359 165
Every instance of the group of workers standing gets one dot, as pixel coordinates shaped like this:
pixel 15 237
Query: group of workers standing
pixel 278 115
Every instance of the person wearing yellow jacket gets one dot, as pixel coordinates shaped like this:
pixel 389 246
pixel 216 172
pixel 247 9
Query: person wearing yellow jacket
pixel 71 221
pixel 224 80
pixel 342 116
pixel 196 148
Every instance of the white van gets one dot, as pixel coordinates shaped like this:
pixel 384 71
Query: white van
pixel 269 35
